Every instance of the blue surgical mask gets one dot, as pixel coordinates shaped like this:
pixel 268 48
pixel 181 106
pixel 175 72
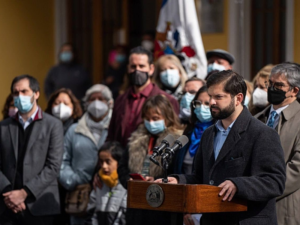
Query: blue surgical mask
pixel 120 58
pixel 66 56
pixel 246 102
pixel 186 100
pixel 215 66
pixel 170 78
pixel 23 103
pixel 203 113
pixel 155 127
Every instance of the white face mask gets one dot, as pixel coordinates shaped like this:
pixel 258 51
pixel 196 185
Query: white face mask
pixel 62 112
pixel 260 97
pixel 97 109
pixel 147 45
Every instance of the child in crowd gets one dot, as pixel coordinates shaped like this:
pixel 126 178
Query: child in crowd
pixel 108 204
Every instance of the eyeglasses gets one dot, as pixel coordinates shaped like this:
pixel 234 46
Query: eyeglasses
pixel 277 85
pixel 184 92
pixel 196 104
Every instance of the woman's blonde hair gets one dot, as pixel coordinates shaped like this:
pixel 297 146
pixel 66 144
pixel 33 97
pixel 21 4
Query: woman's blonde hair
pixel 265 72
pixel 249 86
pixel 174 60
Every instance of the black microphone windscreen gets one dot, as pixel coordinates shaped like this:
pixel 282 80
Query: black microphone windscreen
pixel 183 140
pixel 169 139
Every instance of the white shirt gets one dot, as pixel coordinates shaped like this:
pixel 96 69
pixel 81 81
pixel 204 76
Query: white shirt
pixel 29 121
pixel 278 111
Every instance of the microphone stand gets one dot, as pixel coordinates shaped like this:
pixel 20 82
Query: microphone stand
pixel 165 166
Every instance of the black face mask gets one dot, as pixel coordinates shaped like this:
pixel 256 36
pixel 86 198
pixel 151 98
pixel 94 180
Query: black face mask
pixel 138 78
pixel 275 97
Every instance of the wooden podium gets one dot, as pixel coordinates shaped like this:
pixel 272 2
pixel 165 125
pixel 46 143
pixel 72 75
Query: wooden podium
pixel 180 198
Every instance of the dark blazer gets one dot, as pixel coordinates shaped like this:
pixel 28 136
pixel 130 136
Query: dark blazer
pixel 41 164
pixel 118 123
pixel 252 158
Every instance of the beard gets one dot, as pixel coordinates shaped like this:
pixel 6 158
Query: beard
pixel 223 113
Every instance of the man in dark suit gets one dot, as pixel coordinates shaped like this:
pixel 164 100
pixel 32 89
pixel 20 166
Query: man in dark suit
pixel 127 108
pixel 239 154
pixel 31 148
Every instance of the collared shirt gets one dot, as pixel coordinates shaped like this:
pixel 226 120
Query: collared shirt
pixel 278 111
pixel 220 137
pixel 134 108
pixel 29 121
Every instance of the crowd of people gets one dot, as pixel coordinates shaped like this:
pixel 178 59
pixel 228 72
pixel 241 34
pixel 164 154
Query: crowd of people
pixel 70 163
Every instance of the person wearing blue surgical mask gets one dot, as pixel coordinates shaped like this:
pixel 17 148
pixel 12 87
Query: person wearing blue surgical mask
pixel 201 119
pixel 159 121
pixel 191 87
pixel 68 73
pixel 170 75
pixel 31 152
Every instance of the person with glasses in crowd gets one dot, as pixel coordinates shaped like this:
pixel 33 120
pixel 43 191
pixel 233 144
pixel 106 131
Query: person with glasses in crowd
pixel 190 89
pixel 240 155
pixel 283 116
pixel 201 119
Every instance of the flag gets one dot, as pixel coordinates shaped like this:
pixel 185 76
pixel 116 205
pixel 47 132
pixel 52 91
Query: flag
pixel 178 33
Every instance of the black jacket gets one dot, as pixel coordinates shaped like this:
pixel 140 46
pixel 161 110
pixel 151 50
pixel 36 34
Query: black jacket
pixel 72 76
pixel 252 158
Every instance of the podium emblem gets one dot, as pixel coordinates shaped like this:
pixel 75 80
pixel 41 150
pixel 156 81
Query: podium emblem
pixel 155 195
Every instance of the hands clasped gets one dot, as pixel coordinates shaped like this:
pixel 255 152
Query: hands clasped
pixel 14 200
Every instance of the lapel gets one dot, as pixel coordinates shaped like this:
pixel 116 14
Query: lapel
pixel 82 128
pixel 287 114
pixel 264 115
pixel 36 130
pixel 210 147
pixel 14 135
pixel 239 126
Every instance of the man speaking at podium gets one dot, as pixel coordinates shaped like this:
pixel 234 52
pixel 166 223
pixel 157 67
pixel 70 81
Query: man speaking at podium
pixel 239 154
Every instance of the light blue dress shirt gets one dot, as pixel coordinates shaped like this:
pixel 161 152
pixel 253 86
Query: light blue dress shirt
pixel 29 121
pixel 220 137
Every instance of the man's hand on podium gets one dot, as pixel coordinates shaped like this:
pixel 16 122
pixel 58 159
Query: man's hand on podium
pixel 171 180
pixel 228 190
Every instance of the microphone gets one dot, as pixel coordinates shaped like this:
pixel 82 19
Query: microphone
pixel 178 144
pixel 166 142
